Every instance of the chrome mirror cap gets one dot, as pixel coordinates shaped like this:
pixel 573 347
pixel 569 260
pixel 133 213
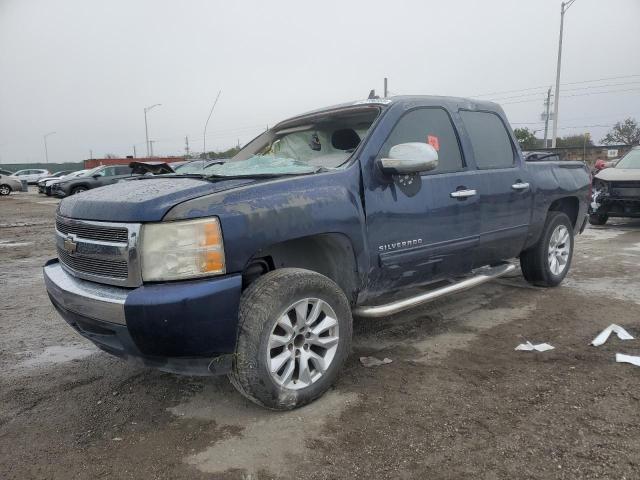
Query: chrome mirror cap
pixel 413 157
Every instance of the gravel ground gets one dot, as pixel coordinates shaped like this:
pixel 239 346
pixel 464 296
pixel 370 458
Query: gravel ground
pixel 456 402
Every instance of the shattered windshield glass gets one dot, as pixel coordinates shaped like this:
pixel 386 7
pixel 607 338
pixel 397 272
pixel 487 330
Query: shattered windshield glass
pixel 630 160
pixel 309 145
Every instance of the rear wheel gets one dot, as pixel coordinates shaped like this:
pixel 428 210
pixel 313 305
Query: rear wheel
pixel 294 336
pixel 548 261
pixel 78 190
pixel 598 219
pixel 5 189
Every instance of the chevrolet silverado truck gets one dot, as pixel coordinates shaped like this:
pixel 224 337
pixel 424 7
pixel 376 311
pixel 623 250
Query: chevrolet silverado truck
pixel 616 190
pixel 255 268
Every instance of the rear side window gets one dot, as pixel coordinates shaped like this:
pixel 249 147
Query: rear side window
pixel 491 144
pixel 125 170
pixel 428 125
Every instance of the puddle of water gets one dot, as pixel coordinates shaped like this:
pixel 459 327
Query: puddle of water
pixel 269 440
pixel 439 346
pixel 622 288
pixel 601 233
pixel 9 243
pixel 633 248
pixel 58 354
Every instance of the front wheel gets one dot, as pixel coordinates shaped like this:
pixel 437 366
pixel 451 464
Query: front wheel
pixel 5 189
pixel 77 190
pixel 294 336
pixel 598 219
pixel 548 261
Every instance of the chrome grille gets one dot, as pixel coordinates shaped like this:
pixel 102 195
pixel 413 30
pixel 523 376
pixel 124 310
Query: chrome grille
pixel 91 232
pixel 95 266
pixel 102 252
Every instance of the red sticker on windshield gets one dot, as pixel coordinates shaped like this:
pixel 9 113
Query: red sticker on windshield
pixel 433 141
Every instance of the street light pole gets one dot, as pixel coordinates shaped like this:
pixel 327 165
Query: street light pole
pixel 564 6
pixel 46 152
pixel 146 126
pixel 204 138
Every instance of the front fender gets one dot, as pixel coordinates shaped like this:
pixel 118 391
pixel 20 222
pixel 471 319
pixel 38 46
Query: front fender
pixel 256 216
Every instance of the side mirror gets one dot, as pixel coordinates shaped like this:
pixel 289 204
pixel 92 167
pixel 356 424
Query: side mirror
pixel 96 176
pixel 413 157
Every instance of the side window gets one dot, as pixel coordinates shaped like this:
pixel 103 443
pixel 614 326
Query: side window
pixel 124 170
pixel 109 171
pixel 492 147
pixel 428 125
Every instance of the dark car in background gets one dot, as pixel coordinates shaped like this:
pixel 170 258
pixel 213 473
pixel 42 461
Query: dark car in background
pixel 41 183
pixel 98 177
pixel 616 190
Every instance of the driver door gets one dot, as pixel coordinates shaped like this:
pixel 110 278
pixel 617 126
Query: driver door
pixel 423 227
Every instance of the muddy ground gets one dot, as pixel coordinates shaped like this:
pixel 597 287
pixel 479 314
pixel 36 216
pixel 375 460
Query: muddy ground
pixel 457 401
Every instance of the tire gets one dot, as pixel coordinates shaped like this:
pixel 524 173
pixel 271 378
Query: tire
pixel 265 308
pixel 77 190
pixel 5 189
pixel 598 219
pixel 537 262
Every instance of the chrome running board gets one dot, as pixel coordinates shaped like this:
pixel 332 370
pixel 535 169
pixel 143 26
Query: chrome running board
pixel 481 276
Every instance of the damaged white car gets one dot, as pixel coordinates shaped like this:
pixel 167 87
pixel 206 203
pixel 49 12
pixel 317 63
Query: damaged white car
pixel 616 191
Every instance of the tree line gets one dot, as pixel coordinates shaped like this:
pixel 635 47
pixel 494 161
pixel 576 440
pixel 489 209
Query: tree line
pixel 625 132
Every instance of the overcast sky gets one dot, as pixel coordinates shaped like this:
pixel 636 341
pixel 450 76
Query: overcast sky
pixel 86 69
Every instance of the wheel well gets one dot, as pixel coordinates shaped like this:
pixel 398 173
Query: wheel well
pixel 567 205
pixel 329 254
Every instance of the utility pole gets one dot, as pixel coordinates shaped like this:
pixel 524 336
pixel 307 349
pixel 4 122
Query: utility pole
pixel 146 126
pixel 46 152
pixel 151 142
pixel 564 6
pixel 186 146
pixel 547 104
pixel 204 137
pixel 386 91
pixel 135 155
pixel 90 154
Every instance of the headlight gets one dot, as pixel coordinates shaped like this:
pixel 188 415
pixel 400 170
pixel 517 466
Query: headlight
pixel 180 250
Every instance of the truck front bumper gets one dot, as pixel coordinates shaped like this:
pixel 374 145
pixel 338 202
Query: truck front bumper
pixel 187 327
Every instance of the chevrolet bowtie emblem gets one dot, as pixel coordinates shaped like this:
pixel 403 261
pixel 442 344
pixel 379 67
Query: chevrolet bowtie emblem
pixel 69 245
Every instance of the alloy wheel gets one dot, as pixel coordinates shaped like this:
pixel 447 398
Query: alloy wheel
pixel 303 343
pixel 559 249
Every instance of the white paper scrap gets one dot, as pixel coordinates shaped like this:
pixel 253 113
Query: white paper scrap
pixel 604 335
pixel 622 358
pixel 374 362
pixel 528 347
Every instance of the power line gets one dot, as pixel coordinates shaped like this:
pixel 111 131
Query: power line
pixel 564 84
pixel 577 95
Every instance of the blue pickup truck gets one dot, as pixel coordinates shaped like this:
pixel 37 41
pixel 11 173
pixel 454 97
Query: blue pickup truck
pixel 255 268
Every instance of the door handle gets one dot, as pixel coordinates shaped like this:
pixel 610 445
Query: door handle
pixel 463 193
pixel 520 186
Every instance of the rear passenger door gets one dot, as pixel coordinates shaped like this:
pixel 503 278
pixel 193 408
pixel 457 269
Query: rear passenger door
pixel 504 188
pixel 422 227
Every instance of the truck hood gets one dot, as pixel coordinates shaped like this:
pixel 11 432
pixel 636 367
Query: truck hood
pixel 619 174
pixel 143 200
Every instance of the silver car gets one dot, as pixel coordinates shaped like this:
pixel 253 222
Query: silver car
pixel 31 175
pixel 8 184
